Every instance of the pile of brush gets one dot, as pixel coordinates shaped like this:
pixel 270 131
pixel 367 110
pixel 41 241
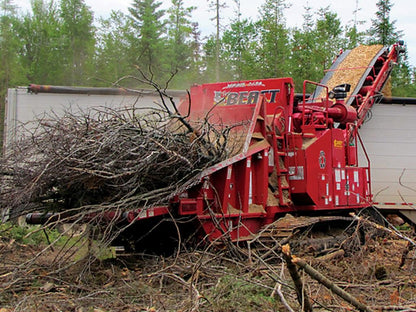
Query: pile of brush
pixel 107 159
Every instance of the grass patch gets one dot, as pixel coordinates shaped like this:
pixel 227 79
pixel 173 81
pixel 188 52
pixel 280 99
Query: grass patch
pixel 233 293
pixel 31 235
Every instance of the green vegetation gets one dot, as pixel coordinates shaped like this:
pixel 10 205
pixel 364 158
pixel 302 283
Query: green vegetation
pixel 233 293
pixel 43 236
pixel 58 42
pixel 31 235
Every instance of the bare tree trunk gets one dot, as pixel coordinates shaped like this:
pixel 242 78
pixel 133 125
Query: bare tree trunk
pixel 330 285
pixel 300 291
pixel 217 44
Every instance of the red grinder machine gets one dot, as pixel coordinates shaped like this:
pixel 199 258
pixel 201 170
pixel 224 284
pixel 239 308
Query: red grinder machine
pixel 291 154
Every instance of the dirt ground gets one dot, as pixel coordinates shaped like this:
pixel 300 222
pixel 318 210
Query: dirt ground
pixel 375 266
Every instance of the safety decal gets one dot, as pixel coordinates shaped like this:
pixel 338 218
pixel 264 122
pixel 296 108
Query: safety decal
pixel 322 160
pixel 338 144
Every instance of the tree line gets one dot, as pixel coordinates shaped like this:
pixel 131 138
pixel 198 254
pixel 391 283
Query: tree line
pixel 60 43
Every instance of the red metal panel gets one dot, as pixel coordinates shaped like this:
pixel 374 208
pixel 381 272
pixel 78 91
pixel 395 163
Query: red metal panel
pixel 297 171
pixel 338 163
pixel 339 186
pixel 232 102
pixel 319 170
pixel 324 190
pixel 260 172
pixel 338 148
pixel 356 182
pixel 242 185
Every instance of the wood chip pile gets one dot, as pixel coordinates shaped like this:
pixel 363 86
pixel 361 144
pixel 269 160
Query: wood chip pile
pixel 353 67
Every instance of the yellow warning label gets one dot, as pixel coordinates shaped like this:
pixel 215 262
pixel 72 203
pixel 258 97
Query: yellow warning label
pixel 338 144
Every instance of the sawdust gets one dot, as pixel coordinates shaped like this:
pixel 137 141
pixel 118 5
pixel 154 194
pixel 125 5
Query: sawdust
pixel 352 68
pixel 273 179
pixel 284 182
pixel 387 88
pixel 253 208
pixel 232 210
pixel 308 142
pixel 271 198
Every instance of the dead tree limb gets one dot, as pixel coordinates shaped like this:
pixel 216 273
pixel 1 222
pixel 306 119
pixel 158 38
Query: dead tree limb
pixel 300 290
pixel 328 284
pixel 404 185
pixel 278 289
pixel 383 228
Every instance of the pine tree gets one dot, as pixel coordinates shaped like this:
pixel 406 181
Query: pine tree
pixel 42 44
pixel 274 39
pixel 196 50
pixel 8 46
pixel 147 47
pixel 179 32
pixel 304 63
pixel 10 69
pixel 383 30
pixel 216 6
pixel 112 61
pixel 240 44
pixel 329 36
pixel 354 36
pixel 78 30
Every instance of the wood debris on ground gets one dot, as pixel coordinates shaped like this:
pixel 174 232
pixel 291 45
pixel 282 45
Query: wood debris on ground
pixel 377 268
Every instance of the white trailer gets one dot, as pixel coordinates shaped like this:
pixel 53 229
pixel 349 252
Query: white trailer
pixel 389 136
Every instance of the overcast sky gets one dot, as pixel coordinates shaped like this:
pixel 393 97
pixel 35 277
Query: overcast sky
pixel 403 11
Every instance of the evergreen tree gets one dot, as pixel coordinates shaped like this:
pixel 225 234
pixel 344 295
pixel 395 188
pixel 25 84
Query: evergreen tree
pixel 78 32
pixel 216 6
pixel 210 70
pixel 403 81
pixel 353 35
pixel 9 62
pixel 240 45
pixel 179 49
pixel 329 37
pixel 147 47
pixel 112 61
pixel 196 45
pixel 274 39
pixel 383 30
pixel 10 69
pixel 42 44
pixel 305 65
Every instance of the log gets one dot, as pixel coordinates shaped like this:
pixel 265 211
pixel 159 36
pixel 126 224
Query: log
pixel 383 228
pixel 301 294
pixel 48 287
pixel 333 255
pixel 330 285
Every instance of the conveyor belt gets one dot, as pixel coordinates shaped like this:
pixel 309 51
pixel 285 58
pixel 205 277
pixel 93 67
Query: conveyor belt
pixel 351 67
